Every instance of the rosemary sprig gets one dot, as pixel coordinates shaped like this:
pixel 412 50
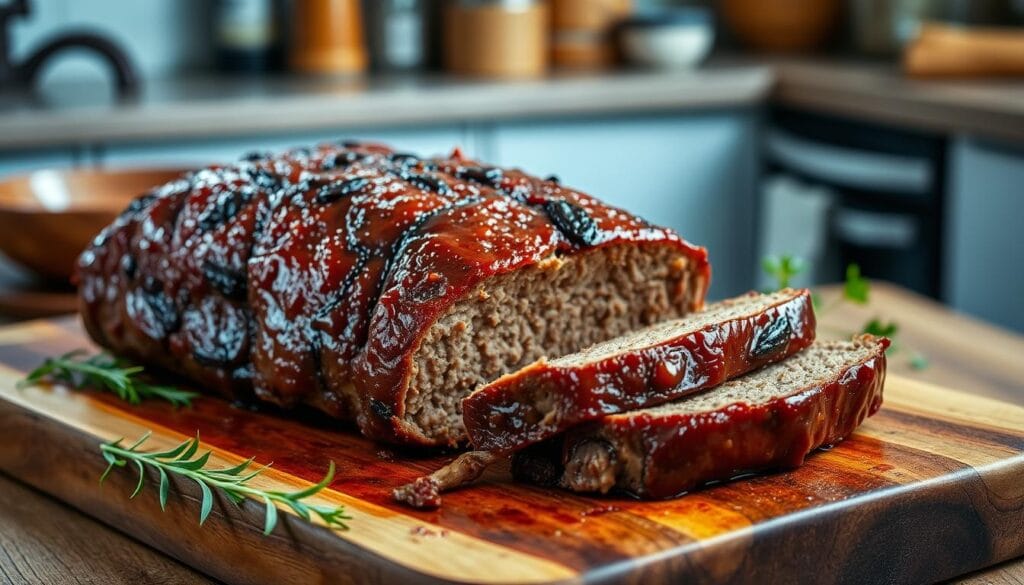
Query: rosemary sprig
pixel 105 372
pixel 186 461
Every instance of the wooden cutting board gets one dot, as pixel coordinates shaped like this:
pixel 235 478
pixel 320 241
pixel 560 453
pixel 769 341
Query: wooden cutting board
pixel 929 488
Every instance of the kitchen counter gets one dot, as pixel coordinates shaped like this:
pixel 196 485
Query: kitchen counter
pixel 881 93
pixel 207 107
pixel 47 541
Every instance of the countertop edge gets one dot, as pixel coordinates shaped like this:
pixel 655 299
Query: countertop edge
pixel 433 105
pixel 954 107
pixel 864 91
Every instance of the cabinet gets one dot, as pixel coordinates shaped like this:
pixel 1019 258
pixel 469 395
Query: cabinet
pixel 694 173
pixel 985 270
pixel 23 162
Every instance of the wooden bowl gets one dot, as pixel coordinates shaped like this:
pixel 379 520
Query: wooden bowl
pixel 781 25
pixel 47 217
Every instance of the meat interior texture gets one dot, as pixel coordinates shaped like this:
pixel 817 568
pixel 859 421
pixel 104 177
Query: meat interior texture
pixel 770 418
pixel 552 309
pixel 374 285
pixel 645 367
pixel 716 313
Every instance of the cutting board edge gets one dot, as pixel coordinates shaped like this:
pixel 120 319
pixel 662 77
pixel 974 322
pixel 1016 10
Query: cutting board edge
pixel 231 532
pixel 337 556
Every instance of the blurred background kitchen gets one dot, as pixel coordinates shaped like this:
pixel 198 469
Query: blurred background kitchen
pixel 886 133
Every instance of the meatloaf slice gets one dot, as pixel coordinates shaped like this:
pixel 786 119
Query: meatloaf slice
pixel 767 419
pixel 643 368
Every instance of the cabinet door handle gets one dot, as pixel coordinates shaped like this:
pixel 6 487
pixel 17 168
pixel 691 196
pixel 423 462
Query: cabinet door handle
pixel 847 167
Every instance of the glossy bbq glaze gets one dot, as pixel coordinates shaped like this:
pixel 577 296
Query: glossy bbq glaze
pixel 547 398
pixel 676 452
pixel 311 277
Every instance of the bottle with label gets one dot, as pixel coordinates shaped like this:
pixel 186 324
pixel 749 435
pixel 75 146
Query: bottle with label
pixel 246 35
pixel 397 34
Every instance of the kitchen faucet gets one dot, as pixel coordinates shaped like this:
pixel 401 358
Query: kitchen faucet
pixel 25 75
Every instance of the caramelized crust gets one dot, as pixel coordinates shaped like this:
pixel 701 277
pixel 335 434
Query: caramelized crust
pixel 313 277
pixel 768 419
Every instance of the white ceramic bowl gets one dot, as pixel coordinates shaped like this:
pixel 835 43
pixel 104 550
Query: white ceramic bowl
pixel 675 40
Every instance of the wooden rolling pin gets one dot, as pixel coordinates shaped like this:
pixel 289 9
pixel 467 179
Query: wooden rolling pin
pixel 950 51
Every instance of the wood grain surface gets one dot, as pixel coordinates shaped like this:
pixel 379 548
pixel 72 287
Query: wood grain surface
pixel 43 541
pixel 961 352
pixel 935 470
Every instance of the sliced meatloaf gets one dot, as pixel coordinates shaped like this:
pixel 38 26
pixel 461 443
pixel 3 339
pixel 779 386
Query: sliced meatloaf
pixel 374 285
pixel 767 419
pixel 643 368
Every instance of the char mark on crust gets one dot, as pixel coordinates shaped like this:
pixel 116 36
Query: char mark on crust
pixel 403 159
pixel 138 204
pixel 487 176
pixel 343 188
pixel 772 338
pixel 423 181
pixel 230 283
pixel 573 222
pixel 341 160
pixel 265 179
pixel 164 310
pixel 229 202
pixel 403 241
pixel 255 155
pixel 129 266
pixel 318 324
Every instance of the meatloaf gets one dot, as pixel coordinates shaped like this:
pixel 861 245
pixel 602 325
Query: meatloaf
pixel 767 419
pixel 644 368
pixel 374 285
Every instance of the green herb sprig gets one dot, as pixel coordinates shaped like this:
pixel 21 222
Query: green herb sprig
pixel 234 482
pixel 856 289
pixel 105 372
pixel 782 268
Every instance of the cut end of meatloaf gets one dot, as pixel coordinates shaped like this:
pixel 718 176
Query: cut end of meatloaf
pixel 647 367
pixel 656 334
pixel 554 308
pixel 770 418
